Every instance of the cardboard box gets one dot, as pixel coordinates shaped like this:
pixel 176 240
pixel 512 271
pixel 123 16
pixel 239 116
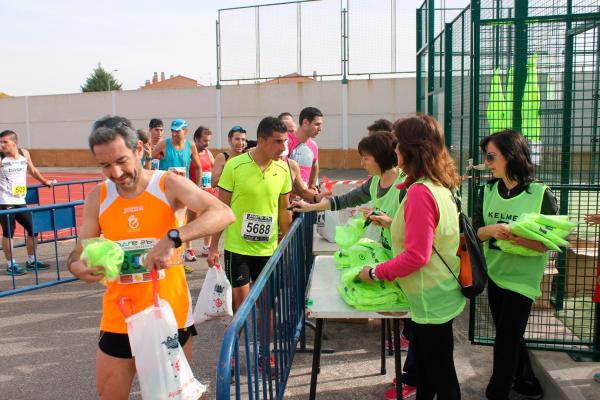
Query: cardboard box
pixel 543 302
pixel 580 276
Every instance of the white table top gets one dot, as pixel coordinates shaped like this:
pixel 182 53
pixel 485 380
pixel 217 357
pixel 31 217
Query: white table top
pixel 322 247
pixel 326 301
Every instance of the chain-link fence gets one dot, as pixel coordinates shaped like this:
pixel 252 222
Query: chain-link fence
pixel 326 38
pixel 533 66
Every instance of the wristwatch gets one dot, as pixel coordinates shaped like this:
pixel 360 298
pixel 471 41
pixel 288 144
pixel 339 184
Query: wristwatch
pixel 173 234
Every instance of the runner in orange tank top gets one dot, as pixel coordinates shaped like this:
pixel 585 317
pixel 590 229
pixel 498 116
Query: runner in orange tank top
pixel 142 210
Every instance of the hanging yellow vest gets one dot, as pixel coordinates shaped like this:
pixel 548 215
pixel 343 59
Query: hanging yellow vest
pixel 433 293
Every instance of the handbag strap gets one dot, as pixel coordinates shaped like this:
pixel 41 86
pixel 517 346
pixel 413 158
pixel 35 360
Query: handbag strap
pixel 446 264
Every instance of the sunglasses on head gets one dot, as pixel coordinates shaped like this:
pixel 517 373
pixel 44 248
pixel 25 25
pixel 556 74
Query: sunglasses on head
pixel 238 128
pixel 489 157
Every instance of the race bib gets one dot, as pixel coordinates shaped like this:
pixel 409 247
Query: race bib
pixel 19 190
pixel 206 179
pixel 135 251
pixel 178 170
pixel 257 228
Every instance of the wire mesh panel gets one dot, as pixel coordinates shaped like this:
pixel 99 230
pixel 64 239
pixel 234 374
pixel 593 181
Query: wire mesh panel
pixel 275 40
pixel 533 66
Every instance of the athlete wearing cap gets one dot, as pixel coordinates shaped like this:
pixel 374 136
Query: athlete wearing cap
pixel 175 154
pixel 136 207
pixel 237 144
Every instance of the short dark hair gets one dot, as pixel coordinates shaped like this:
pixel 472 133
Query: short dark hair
pixel 382 146
pixel 309 113
pixel 9 134
pixel 156 123
pixel 108 128
pixel 235 129
pixel 514 148
pixel 380 125
pixel 268 125
pixel 285 114
pixel 198 133
pixel 143 135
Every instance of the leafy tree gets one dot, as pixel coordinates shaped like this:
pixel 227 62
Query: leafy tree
pixel 100 80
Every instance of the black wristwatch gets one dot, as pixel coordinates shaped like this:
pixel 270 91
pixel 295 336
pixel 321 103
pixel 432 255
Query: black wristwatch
pixel 173 234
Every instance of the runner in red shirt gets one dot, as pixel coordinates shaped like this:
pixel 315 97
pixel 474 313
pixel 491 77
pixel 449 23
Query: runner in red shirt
pixel 202 138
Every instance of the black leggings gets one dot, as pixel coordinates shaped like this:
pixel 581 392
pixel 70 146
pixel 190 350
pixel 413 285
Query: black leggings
pixel 23 218
pixel 433 346
pixel 510 312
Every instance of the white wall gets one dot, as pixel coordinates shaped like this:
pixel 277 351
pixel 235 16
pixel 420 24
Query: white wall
pixel 64 121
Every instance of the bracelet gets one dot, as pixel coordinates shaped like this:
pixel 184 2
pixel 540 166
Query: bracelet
pixel 372 274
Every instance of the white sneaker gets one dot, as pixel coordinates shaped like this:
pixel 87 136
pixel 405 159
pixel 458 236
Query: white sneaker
pixel 189 255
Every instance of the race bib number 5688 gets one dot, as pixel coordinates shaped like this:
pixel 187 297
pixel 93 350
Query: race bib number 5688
pixel 257 228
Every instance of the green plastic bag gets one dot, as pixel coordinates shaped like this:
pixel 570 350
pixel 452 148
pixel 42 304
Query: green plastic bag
pixel 509 247
pixel 101 252
pixel 365 252
pixel 376 296
pixel 350 233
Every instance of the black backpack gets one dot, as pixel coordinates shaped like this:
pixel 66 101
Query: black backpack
pixel 473 274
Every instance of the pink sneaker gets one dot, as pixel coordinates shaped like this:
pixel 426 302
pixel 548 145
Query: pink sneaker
pixel 408 392
pixel 404 343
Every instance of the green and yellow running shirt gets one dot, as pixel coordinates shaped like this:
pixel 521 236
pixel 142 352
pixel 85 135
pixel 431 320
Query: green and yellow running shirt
pixel 255 204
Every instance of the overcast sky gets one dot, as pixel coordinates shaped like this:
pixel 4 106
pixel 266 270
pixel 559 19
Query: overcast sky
pixel 50 47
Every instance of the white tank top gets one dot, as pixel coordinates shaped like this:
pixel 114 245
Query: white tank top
pixel 13 180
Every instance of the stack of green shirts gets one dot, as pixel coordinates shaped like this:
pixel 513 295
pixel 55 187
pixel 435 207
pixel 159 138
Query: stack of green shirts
pixel 550 230
pixel 364 252
pixel 380 296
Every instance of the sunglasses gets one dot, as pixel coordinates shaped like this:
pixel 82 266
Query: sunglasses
pixel 490 157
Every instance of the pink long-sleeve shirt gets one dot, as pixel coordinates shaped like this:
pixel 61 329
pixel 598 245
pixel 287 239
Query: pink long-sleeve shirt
pixel 421 216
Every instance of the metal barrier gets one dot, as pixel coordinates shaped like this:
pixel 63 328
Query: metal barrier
pixel 269 323
pixel 48 218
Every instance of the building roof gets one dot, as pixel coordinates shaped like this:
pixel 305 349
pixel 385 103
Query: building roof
pixel 173 82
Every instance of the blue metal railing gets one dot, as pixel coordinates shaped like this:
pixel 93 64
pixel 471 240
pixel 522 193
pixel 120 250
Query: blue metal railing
pixel 269 323
pixel 48 218
pixel 33 191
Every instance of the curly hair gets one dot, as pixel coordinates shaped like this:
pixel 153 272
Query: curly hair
pixel 421 146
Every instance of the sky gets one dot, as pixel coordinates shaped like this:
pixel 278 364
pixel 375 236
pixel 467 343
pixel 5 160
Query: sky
pixel 51 47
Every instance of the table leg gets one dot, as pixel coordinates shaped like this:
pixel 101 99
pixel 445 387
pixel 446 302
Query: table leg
pixel 397 358
pixel 388 327
pixel 316 359
pixel 383 337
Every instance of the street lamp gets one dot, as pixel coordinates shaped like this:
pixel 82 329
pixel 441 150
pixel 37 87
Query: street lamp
pixel 108 77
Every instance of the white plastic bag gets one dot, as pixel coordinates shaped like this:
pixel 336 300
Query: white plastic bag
pixel 215 298
pixel 163 370
pixel 326 223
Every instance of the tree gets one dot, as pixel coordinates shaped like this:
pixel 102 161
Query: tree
pixel 100 80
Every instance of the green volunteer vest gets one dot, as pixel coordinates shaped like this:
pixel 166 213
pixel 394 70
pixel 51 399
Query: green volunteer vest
pixel 388 203
pixel 511 271
pixel 434 295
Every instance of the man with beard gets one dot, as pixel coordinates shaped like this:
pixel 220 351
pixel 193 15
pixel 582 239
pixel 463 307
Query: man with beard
pixel 135 206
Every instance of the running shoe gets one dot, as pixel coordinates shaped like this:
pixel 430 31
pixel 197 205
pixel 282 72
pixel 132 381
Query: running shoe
pixel 188 269
pixel 404 343
pixel 189 255
pixel 408 392
pixel 204 251
pixel 15 270
pixel 31 266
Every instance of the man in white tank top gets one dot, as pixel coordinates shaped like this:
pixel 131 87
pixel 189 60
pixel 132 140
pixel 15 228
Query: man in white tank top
pixel 14 165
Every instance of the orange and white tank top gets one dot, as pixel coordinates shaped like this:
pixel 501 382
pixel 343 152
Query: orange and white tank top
pixel 137 224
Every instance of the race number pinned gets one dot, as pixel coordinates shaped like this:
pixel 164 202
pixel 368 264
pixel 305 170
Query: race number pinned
pixel 257 228
pixel 19 190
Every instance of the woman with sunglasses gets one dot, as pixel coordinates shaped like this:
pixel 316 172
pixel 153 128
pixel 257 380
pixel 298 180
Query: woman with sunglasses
pixel 426 220
pixel 514 280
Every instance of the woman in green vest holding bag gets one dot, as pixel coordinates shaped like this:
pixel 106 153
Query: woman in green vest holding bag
pixel 514 280
pixel 426 219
